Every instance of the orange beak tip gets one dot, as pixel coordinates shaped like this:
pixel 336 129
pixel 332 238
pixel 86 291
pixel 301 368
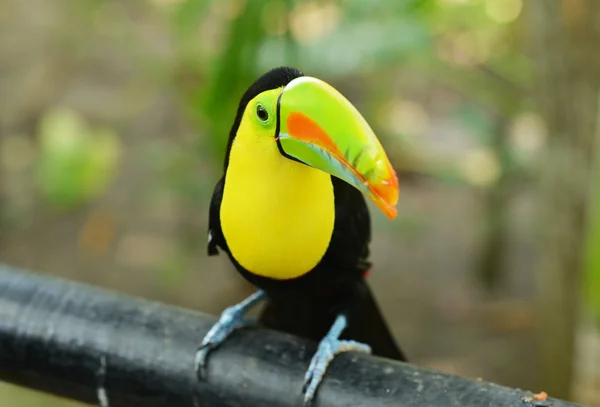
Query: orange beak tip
pixel 386 195
pixel 392 213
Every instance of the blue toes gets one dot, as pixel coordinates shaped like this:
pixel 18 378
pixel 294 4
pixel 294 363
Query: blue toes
pixel 230 320
pixel 328 348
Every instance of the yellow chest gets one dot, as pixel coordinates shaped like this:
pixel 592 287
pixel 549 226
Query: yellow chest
pixel 277 215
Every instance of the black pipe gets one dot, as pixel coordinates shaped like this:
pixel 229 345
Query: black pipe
pixel 108 349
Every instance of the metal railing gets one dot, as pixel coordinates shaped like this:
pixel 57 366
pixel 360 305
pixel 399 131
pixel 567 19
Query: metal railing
pixel 103 348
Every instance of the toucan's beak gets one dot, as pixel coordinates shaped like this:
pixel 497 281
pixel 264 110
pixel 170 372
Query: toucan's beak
pixel 321 128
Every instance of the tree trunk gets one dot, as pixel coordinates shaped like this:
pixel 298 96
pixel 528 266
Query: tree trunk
pixel 565 35
pixel 496 202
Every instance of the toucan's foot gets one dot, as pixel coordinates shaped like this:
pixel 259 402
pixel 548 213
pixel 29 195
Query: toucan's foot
pixel 231 319
pixel 329 347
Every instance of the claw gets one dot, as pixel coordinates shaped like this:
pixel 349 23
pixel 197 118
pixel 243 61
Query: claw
pixel 329 347
pixel 231 319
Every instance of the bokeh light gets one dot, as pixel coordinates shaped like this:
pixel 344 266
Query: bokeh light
pixel 480 167
pixel 311 20
pixel 408 118
pixel 503 11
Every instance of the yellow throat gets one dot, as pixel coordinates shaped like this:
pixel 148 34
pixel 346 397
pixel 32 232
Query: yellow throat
pixel 277 215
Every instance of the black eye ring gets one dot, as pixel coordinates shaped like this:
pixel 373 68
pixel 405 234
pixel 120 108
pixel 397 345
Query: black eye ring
pixel 262 113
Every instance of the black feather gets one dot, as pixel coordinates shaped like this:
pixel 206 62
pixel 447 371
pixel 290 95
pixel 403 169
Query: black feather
pixel 214 227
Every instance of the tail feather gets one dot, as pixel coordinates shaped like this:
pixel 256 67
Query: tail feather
pixel 312 319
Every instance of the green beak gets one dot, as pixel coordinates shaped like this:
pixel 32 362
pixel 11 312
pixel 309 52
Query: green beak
pixel 321 128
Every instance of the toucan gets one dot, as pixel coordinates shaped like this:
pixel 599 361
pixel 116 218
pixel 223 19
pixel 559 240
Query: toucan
pixel 290 213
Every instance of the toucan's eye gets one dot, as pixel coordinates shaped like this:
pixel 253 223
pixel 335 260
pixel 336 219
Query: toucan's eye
pixel 261 112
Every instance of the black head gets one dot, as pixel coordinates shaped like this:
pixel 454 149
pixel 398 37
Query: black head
pixel 275 78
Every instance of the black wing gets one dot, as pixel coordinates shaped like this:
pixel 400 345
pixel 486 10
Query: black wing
pixel 215 234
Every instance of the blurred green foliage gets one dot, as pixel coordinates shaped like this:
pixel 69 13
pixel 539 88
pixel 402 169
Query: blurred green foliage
pixel 76 162
pixel 592 271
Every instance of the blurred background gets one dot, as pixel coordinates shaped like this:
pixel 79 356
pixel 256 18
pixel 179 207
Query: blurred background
pixel 114 117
